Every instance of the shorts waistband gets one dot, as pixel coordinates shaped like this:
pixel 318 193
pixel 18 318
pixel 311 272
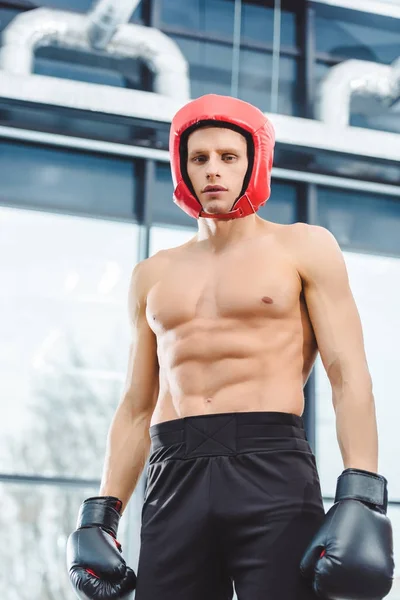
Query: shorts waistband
pixel 226 434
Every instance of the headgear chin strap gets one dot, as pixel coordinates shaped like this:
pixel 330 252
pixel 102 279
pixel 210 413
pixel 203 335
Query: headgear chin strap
pixel 213 110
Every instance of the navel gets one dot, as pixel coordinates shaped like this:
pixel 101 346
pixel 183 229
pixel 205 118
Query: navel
pixel 267 300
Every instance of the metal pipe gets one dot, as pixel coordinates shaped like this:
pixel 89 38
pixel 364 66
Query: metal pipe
pixel 44 27
pixel 104 17
pixel 356 85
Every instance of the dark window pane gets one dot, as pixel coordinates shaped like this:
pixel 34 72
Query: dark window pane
pixel 7 15
pixel 77 72
pixel 164 210
pixel 258 24
pixel 79 6
pixel 388 120
pixel 361 221
pixel 200 15
pixel 64 338
pixel 282 205
pixel 255 81
pixel 77 182
pixel 74 5
pixel 357 40
pixel 211 72
pixel 210 66
pixel 217 17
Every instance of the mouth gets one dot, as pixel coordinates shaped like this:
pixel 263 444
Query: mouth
pixel 213 189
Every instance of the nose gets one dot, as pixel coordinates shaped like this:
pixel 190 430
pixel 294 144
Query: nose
pixel 212 169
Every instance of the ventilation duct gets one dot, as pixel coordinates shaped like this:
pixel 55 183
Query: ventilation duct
pixel 101 31
pixel 104 18
pixel 357 86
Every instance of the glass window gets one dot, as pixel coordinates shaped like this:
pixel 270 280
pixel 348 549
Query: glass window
pixel 35 527
pixel 74 5
pixel 211 72
pixel 258 24
pixel 164 210
pixel 376 288
pixel 61 179
pixel 387 120
pixel 353 39
pixel 217 17
pixel 361 221
pixel 255 78
pixel 210 66
pixel 77 72
pixel 282 205
pixel 6 16
pixel 64 338
pixel 80 6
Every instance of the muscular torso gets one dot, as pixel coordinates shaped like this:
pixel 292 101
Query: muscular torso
pixel 232 328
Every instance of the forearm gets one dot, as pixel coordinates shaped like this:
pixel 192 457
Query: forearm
pixel 356 427
pixel 128 447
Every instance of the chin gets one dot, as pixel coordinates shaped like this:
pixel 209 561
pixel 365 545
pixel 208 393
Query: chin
pixel 217 207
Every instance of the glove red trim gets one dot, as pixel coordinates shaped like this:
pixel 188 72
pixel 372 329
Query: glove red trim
pixel 92 573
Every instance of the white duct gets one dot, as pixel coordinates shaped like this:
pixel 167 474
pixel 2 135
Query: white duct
pixel 360 86
pixel 104 18
pixel 46 27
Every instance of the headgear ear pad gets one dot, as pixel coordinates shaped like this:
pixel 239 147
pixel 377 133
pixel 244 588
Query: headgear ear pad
pixel 223 111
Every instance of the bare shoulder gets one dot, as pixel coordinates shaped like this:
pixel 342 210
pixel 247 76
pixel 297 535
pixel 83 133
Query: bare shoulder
pixel 303 233
pixel 146 272
pixel 311 247
pixel 150 270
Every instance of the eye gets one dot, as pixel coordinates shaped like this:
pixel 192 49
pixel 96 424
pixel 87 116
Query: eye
pixel 229 157
pixel 198 159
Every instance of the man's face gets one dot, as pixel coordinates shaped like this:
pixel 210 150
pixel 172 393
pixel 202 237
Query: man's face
pixel 217 165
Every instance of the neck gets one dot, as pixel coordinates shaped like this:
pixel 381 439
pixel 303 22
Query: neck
pixel 219 233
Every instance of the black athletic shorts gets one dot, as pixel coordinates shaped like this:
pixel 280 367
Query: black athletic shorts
pixel 232 500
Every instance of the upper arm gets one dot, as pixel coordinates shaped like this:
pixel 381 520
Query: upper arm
pixel 142 378
pixel 331 306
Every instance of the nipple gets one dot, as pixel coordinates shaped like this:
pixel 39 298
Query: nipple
pixel 267 300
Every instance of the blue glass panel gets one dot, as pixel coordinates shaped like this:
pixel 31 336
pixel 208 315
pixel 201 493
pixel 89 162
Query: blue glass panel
pixel 361 221
pixel 77 182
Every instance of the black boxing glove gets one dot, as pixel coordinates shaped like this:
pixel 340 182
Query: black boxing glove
pixel 351 556
pixel 95 565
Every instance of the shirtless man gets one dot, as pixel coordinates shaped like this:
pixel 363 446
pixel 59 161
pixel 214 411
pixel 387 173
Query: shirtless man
pixel 226 329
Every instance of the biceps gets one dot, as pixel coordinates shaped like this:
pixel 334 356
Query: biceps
pixel 142 381
pixel 338 331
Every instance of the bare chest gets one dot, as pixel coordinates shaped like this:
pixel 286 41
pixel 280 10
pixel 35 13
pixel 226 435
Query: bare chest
pixel 233 287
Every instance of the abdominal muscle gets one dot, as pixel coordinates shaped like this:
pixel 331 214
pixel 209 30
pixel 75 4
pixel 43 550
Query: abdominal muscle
pixel 212 366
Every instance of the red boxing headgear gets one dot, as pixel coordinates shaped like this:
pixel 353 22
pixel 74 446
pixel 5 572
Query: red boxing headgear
pixel 241 116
